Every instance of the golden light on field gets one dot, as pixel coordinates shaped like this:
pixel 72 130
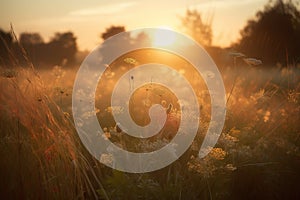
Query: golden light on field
pixel 164 38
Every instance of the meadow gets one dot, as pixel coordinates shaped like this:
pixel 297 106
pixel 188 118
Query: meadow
pixel 257 155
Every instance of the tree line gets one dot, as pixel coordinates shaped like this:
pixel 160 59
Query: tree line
pixel 62 47
pixel 272 35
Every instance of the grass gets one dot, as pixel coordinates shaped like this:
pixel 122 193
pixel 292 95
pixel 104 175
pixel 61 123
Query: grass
pixel 256 157
pixel 41 156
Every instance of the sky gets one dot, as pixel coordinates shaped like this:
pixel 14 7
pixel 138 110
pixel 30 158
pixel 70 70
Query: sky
pixel 88 19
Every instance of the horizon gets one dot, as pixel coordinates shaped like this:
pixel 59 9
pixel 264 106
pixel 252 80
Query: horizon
pixel 86 20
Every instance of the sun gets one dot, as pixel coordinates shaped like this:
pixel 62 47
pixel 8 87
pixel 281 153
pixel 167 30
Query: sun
pixel 163 38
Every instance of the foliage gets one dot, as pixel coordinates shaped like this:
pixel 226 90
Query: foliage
pixel 62 48
pixel 31 39
pixel 6 44
pixel 195 27
pixel 274 34
pixel 111 31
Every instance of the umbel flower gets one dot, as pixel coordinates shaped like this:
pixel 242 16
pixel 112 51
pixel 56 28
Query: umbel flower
pixel 252 61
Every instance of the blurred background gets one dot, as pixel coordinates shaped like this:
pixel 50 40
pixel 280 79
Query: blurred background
pixel 256 46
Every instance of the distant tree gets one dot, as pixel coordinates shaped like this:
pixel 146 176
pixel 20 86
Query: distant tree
pixel 31 38
pixel 118 43
pixel 143 38
pixel 62 46
pixel 6 41
pixel 274 34
pixel 34 44
pixel 113 30
pixel 195 27
pixel 5 37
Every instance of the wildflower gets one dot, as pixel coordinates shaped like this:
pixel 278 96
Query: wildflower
pixel 237 54
pixel 109 73
pixel 267 116
pixel 106 135
pixel 106 158
pixel 252 61
pixel 114 109
pixel 283 112
pixel 234 131
pixel 217 153
pixel 89 114
pixel 194 147
pixel 286 72
pixel 258 95
pixel 293 96
pixel 230 167
pixel 230 140
pixel 209 74
pixel 131 61
pixel 58 72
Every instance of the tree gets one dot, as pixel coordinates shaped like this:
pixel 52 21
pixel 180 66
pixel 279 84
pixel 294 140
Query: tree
pixel 196 28
pixel 274 34
pixel 6 41
pixel 116 44
pixel 62 46
pixel 30 39
pixel 113 30
pixel 33 43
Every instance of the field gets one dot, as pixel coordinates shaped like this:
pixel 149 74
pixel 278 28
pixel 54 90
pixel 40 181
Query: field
pixel 257 155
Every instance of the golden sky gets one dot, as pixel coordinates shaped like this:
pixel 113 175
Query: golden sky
pixel 88 19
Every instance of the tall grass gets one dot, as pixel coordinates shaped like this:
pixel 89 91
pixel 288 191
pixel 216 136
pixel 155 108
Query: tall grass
pixel 41 155
pixel 256 157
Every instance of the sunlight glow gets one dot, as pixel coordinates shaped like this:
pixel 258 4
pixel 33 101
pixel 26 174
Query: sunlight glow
pixel 161 38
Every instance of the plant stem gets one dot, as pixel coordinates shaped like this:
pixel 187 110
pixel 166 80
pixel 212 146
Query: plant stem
pixel 234 82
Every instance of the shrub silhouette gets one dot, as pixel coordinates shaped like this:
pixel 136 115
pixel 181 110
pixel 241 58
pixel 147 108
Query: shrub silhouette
pixel 274 34
pixel 113 30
